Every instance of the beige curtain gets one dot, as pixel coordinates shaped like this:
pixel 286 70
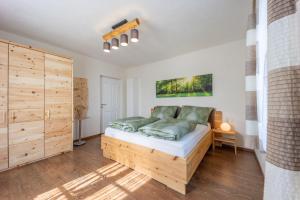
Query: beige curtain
pixel 250 75
pixel 282 176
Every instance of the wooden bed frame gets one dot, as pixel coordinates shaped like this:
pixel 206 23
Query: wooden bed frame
pixel 175 172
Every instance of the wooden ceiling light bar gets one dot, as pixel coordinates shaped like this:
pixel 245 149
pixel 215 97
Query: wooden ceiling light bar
pixel 122 29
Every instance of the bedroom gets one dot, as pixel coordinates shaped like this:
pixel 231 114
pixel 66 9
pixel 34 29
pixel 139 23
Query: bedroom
pixel 182 100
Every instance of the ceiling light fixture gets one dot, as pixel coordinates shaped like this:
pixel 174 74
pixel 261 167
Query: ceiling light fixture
pixel 134 34
pixel 106 47
pixel 124 40
pixel 119 30
pixel 115 43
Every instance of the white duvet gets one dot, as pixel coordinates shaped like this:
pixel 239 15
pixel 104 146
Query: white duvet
pixel 180 148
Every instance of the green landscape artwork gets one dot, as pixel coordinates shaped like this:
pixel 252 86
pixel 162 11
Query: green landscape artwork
pixel 200 85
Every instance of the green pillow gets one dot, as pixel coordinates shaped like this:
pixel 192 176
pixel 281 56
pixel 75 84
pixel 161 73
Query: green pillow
pixel 164 112
pixel 200 115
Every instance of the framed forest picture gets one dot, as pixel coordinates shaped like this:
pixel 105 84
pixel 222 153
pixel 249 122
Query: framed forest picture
pixel 200 85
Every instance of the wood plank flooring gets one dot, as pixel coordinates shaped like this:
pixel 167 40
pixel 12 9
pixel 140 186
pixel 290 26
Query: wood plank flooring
pixel 85 174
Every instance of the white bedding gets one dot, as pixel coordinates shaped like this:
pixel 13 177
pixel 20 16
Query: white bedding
pixel 179 148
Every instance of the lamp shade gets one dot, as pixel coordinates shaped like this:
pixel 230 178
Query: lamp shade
pixel 106 47
pixel 124 40
pixel 115 43
pixel 225 126
pixel 134 34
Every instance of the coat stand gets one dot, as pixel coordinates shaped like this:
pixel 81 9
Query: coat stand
pixel 79 142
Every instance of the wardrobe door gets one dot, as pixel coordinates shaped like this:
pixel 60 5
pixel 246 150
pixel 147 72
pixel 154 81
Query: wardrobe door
pixel 58 105
pixel 26 105
pixel 3 105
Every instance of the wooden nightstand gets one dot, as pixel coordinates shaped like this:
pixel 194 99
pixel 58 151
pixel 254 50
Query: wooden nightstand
pixel 218 136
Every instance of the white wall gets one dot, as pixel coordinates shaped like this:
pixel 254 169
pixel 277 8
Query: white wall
pixel 226 63
pixel 85 67
pixel 132 91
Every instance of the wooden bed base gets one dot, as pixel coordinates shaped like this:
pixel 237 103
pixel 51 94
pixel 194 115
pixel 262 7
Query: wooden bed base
pixel 175 172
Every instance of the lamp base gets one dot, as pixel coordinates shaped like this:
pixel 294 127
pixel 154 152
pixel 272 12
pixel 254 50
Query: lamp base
pixel 79 143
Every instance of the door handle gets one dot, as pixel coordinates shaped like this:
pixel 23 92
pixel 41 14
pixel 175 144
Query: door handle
pixel 48 114
pixel 5 117
pixel 103 104
pixel 14 116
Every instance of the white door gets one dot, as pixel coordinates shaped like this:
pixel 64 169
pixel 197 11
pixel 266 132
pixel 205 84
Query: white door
pixel 110 101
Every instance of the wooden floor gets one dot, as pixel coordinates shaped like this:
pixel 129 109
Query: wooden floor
pixel 85 174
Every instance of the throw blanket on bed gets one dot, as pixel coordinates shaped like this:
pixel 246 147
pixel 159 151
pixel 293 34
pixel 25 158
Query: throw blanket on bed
pixel 168 129
pixel 131 124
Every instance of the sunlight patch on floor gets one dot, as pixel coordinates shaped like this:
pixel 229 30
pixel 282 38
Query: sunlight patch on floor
pixel 55 193
pixel 107 167
pixel 120 188
pixel 110 191
pixel 116 172
pixel 113 171
pixel 133 181
pixel 85 186
pixel 82 182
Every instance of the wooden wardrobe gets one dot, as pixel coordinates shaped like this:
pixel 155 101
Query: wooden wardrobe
pixel 36 111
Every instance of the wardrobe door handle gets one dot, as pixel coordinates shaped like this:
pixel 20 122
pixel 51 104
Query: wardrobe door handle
pixel 5 117
pixel 14 116
pixel 48 114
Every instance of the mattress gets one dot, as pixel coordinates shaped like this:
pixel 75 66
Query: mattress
pixel 180 148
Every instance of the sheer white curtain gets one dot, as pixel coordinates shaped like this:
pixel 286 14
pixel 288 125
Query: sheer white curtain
pixel 262 73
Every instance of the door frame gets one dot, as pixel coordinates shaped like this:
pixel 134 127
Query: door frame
pixel 101 94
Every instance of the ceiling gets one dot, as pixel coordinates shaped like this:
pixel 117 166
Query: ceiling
pixel 168 27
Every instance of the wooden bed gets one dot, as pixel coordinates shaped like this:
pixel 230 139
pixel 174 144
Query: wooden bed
pixel 175 172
